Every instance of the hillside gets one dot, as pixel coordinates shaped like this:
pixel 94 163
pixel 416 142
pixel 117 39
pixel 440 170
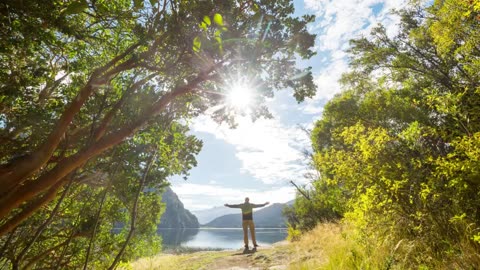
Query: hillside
pixel 268 217
pixel 176 216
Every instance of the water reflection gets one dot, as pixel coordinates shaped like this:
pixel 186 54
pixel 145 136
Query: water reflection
pixel 175 237
pixel 217 238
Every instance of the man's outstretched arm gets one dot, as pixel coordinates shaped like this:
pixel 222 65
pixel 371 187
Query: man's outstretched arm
pixel 259 205
pixel 233 205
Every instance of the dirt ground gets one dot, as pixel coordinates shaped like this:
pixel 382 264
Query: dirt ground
pixel 269 257
pixel 275 257
pixel 263 258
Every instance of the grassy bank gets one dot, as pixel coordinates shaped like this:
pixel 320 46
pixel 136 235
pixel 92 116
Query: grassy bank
pixel 193 261
pixel 335 246
pixel 307 253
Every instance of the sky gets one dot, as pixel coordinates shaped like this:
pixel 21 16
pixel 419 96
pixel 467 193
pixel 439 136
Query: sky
pixel 259 159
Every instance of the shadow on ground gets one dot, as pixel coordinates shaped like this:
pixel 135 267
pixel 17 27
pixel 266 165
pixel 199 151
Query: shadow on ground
pixel 245 251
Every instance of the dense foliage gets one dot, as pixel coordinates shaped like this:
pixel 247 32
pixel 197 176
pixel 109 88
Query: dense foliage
pixel 95 101
pixel 398 150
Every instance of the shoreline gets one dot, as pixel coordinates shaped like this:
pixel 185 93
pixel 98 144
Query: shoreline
pixel 226 228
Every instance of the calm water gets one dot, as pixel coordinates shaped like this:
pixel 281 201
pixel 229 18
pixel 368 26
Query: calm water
pixel 218 238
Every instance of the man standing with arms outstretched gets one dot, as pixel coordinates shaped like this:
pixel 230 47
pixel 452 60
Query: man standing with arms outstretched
pixel 247 219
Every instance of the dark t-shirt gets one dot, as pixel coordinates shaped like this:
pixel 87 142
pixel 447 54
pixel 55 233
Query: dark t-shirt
pixel 247 216
pixel 247 209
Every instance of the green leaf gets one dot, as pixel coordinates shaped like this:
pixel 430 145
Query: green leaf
pixel 219 40
pixel 217 18
pixel 203 25
pixel 76 7
pixel 137 4
pixel 196 44
pixel 207 20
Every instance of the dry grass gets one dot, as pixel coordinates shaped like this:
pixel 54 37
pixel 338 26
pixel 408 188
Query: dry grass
pixel 333 246
pixel 310 251
pixel 192 261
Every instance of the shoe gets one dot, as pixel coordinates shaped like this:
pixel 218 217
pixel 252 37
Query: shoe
pixel 246 246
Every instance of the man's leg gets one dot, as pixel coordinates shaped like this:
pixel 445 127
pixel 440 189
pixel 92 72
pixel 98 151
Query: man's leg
pixel 252 232
pixel 245 232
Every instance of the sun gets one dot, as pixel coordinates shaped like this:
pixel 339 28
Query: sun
pixel 240 96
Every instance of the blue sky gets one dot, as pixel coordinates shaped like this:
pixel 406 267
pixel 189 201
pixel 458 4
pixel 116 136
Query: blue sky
pixel 258 159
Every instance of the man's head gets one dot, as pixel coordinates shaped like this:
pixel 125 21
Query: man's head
pixel 247 199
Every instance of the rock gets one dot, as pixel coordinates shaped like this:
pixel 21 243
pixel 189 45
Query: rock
pixel 278 267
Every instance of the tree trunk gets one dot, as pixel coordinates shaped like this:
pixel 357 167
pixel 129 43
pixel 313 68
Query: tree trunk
pixel 301 191
pixel 100 131
pixel 134 213
pixel 42 255
pixel 47 222
pixel 92 238
pixel 4 247
pixel 31 208
pixel 27 166
pixel 30 164
pixel 30 190
pixel 72 235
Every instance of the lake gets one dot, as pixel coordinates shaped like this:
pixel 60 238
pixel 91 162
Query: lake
pixel 218 238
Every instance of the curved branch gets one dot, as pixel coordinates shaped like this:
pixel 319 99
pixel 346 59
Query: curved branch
pixel 97 217
pixel 30 190
pixel 100 131
pixel 46 223
pixel 31 208
pixel 29 165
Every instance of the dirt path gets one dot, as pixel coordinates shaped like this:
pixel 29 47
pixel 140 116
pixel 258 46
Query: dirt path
pixel 264 258
pixel 275 257
pixel 312 251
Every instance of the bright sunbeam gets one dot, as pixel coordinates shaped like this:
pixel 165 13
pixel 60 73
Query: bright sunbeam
pixel 239 96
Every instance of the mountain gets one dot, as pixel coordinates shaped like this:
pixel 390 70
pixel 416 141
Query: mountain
pixel 176 216
pixel 268 217
pixel 207 215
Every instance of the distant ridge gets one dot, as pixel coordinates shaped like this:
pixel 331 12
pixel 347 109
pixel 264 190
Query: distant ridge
pixel 268 217
pixel 207 215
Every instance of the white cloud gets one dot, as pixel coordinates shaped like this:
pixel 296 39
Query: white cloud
pixel 269 151
pixel 218 195
pixel 337 22
pixel 327 80
pixel 272 151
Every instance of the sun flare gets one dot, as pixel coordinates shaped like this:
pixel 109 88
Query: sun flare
pixel 240 96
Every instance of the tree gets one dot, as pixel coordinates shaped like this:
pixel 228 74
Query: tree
pixel 88 89
pixel 397 148
pixel 101 202
pixel 117 66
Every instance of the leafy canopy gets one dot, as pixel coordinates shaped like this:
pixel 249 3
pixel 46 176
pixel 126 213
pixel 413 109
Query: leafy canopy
pixel 397 150
pixel 95 101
